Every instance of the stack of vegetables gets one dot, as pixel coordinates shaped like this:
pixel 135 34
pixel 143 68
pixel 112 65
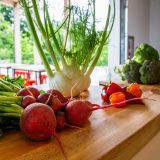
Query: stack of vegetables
pixel 44 114
pixel 10 106
pixel 144 67
pixel 119 96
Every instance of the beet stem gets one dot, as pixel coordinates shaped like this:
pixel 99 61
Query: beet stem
pixel 49 97
pixel 30 92
pixel 95 105
pixel 128 100
pixel 60 144
pixel 70 126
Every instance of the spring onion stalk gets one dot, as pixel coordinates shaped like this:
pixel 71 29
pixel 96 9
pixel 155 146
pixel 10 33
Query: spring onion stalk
pixel 74 45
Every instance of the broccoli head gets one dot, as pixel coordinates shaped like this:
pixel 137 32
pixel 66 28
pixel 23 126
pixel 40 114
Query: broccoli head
pixel 150 72
pixel 129 71
pixel 145 52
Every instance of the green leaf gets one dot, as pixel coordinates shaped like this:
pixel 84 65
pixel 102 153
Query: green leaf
pixel 18 81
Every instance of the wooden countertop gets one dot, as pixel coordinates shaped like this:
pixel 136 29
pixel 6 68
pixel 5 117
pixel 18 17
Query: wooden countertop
pixel 111 134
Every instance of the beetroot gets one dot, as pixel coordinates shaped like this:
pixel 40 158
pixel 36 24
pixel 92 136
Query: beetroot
pixel 78 112
pixel 38 123
pixel 45 98
pixel 56 104
pixel 51 100
pixel 32 91
pixel 61 122
pixel 58 94
pixel 27 100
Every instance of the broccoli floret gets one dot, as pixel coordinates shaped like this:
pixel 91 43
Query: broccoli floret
pixel 145 52
pixel 150 72
pixel 129 71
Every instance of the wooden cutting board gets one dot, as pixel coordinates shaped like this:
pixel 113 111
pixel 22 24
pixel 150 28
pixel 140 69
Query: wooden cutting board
pixel 111 134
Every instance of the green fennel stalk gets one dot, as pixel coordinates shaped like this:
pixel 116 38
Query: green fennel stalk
pixel 74 45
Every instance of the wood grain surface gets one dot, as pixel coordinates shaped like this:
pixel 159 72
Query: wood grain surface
pixel 110 134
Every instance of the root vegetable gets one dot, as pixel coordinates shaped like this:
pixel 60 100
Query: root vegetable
pixel 38 123
pixel 58 94
pixel 32 91
pixel 78 112
pixel 61 122
pixel 27 100
pixel 45 98
pixel 51 100
pixel 56 104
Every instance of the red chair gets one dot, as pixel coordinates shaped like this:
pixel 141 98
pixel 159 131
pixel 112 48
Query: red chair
pixel 43 79
pixel 2 75
pixel 26 76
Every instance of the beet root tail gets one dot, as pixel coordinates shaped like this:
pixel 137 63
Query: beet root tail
pixel 120 103
pixel 60 144
pixel 71 126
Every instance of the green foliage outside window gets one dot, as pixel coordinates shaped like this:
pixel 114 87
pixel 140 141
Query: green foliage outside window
pixel 27 50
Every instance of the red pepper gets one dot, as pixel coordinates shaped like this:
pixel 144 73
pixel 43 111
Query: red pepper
pixel 104 95
pixel 113 87
pixel 131 96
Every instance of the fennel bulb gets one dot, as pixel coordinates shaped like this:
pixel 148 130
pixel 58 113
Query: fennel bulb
pixel 73 45
pixel 69 87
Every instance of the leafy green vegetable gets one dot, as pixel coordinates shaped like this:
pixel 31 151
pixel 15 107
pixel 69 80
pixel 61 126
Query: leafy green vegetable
pixel 129 71
pixel 19 81
pixel 74 45
pixel 42 91
pixel 10 112
pixel 143 68
pixel 145 52
pixel 150 72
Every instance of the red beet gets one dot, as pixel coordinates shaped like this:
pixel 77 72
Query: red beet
pixel 58 94
pixel 45 98
pixel 56 104
pixel 32 91
pixel 27 100
pixel 38 123
pixel 51 100
pixel 78 112
pixel 61 122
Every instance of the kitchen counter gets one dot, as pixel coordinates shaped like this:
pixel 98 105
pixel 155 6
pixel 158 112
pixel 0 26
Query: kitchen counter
pixel 150 150
pixel 110 134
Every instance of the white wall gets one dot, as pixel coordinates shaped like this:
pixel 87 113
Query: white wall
pixel 155 23
pixel 114 41
pixel 138 20
pixel 144 21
